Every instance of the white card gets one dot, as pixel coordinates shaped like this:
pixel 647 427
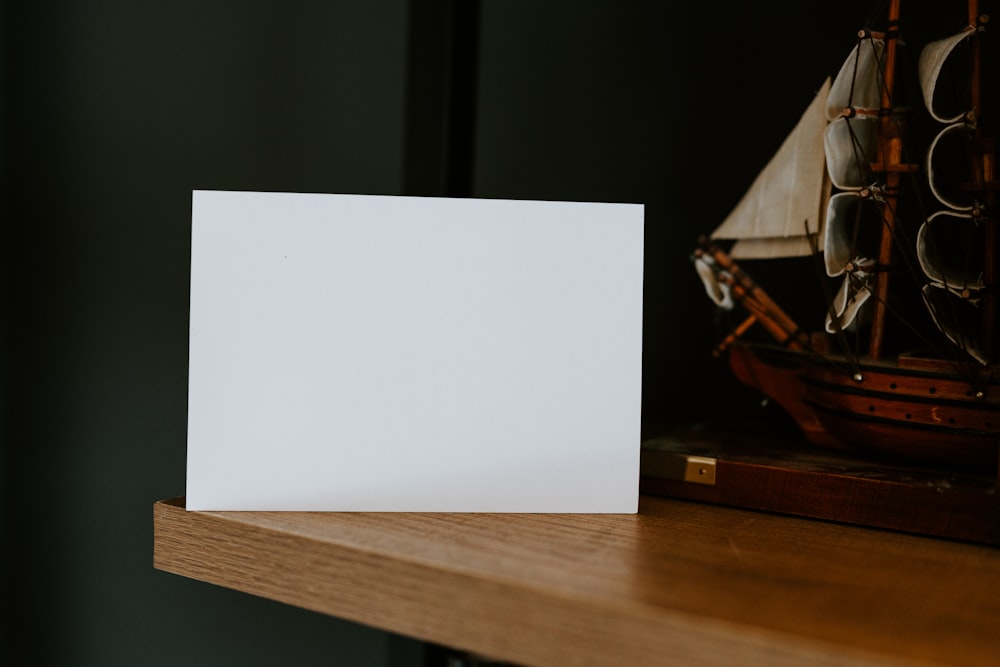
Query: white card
pixel 391 353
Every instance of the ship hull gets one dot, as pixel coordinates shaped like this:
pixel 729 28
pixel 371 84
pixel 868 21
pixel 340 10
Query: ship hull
pixel 917 410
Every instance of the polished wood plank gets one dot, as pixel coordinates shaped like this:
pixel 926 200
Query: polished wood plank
pixel 677 583
pixel 781 473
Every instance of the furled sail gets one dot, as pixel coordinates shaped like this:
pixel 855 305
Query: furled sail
pixel 950 240
pixel 781 213
pixel 717 290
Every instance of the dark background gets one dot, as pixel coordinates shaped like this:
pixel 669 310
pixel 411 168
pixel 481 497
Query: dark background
pixel 114 111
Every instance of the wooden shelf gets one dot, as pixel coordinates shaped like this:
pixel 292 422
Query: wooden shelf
pixel 680 582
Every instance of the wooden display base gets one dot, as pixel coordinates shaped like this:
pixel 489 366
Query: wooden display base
pixel 782 473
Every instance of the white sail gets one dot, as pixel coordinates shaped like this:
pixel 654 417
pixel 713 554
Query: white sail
pixel 854 292
pixel 957 132
pixel 857 85
pixel 717 290
pixel 949 243
pixel 855 97
pixel 947 312
pixel 932 60
pixel 850 145
pixel 840 259
pixel 781 214
pixel 840 216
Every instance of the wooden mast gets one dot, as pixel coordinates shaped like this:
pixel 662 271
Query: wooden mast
pixel 888 160
pixel 984 181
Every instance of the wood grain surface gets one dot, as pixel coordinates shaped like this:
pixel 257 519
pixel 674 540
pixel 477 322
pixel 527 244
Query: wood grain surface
pixel 677 583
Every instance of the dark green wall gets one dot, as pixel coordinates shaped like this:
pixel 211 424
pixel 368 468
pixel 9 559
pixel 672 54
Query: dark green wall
pixel 115 110
pixel 674 105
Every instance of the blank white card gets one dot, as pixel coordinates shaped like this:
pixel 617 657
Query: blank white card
pixel 390 353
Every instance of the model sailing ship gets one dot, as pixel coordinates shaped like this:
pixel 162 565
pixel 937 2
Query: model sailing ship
pixel 897 202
